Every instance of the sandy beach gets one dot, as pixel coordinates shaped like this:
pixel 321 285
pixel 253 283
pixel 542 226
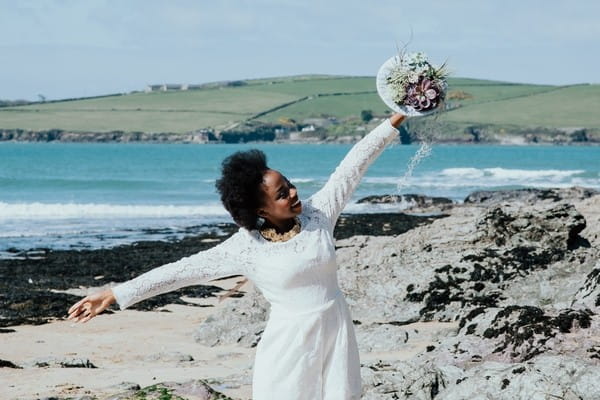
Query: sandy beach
pixel 122 352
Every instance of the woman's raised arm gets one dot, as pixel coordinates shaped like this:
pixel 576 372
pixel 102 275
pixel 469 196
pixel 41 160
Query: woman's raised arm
pixel 227 258
pixel 332 198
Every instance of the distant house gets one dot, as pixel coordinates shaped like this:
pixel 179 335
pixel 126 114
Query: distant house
pixel 152 88
pixel 166 87
pixel 319 122
pixel 309 128
pixel 173 86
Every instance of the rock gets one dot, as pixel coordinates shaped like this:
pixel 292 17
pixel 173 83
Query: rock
pixel 406 380
pixel 518 333
pixel 71 397
pixel 8 364
pixel 401 336
pixel 380 224
pixel 556 228
pixel 589 294
pixel 53 362
pixel 408 201
pixel 590 208
pixel 560 377
pixel 174 356
pixel 123 387
pixel 241 321
pixel 190 390
pixel 529 195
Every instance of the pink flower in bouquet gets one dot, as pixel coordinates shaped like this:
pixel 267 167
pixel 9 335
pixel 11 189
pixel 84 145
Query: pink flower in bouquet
pixel 423 95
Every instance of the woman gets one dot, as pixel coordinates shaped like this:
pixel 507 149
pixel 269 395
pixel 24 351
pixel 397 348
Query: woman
pixel 308 349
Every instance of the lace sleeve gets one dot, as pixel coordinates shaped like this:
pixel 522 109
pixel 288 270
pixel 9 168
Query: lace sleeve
pixel 332 198
pixel 221 260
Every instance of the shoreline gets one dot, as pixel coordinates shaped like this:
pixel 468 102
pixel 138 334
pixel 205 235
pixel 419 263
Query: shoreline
pixel 62 136
pixel 35 283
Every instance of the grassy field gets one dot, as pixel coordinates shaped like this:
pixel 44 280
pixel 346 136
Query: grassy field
pixel 574 106
pixel 218 106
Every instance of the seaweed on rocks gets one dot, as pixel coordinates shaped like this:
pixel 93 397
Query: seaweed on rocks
pixel 558 226
pixel 589 293
pixel 199 389
pixel 512 243
pixel 472 314
pixel 524 330
pixel 453 288
pixel 380 224
pixel 30 288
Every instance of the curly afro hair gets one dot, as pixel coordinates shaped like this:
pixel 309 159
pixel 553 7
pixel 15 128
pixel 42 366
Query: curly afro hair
pixel 239 185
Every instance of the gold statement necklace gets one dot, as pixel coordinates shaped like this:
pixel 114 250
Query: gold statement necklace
pixel 272 236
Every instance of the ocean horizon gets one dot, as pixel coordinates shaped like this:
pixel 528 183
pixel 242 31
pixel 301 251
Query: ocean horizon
pixel 87 196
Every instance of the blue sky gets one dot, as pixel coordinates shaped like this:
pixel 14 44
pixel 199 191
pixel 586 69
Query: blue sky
pixel 73 48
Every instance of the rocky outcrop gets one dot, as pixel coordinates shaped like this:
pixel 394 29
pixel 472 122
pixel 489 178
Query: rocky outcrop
pixel 380 224
pixel 51 135
pixel 497 299
pixel 53 362
pixel 550 377
pixel 529 195
pixel 191 390
pixel 411 202
pixel 588 296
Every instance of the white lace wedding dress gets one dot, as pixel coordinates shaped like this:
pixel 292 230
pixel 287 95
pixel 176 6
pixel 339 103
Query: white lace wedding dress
pixel 308 350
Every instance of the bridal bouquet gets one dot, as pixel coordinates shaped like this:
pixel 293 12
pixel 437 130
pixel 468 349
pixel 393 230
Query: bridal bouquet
pixel 410 84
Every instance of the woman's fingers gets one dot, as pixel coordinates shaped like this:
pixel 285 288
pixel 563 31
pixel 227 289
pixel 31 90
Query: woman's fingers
pixel 74 312
pixel 82 316
pixel 90 316
pixel 80 309
pixel 78 304
pixel 90 306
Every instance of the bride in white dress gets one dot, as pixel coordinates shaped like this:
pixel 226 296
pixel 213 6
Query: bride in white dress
pixel 308 350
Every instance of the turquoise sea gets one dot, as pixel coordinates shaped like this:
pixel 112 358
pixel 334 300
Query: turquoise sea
pixel 67 195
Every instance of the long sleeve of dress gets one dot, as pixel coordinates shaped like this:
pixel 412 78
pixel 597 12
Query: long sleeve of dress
pixel 227 258
pixel 334 195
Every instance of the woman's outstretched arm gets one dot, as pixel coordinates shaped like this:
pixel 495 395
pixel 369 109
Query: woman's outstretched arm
pixel 227 258
pixel 332 198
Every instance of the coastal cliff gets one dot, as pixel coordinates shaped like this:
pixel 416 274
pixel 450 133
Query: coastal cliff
pixel 475 134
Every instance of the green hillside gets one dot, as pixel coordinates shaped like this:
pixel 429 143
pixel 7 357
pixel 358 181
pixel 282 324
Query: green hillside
pixel 220 105
pixel 567 106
